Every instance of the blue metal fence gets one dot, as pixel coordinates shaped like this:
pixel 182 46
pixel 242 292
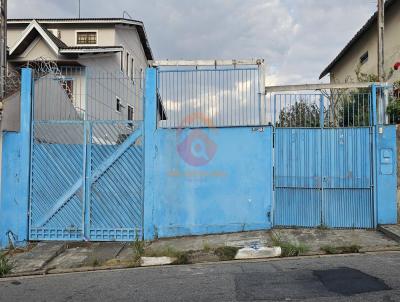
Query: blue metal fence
pixel 115 176
pixel 87 180
pixel 323 160
pixel 87 155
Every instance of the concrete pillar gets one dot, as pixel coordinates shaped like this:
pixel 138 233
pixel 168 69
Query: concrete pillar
pixel 150 127
pixel 14 201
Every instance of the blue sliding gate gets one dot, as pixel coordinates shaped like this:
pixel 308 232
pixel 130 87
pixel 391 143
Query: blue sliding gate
pixel 86 180
pixel 323 173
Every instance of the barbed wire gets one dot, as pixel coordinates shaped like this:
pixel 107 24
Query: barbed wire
pixel 43 66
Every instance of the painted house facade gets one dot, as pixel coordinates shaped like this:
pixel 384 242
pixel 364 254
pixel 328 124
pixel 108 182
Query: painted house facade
pixel 84 49
pixel 362 50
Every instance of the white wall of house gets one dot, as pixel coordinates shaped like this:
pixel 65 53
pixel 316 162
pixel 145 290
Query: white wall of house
pixel 344 70
pixel 38 48
pixel 128 37
pixel 108 79
pixel 13 34
pixel 105 35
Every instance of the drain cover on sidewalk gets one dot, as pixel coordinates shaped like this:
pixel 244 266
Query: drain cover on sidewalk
pixel 347 281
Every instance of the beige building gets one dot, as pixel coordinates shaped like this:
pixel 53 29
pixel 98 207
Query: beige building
pixel 362 50
pixel 106 43
pixel 102 61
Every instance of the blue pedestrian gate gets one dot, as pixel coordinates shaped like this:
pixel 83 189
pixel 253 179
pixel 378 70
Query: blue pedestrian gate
pixel 86 180
pixel 323 161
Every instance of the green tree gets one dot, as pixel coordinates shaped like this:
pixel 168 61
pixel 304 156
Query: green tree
pixel 393 108
pixel 300 114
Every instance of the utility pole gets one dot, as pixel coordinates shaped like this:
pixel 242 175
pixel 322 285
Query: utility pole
pixel 79 9
pixel 3 47
pixel 381 47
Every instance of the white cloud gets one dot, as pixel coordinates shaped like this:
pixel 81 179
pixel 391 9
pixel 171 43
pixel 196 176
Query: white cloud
pixel 297 38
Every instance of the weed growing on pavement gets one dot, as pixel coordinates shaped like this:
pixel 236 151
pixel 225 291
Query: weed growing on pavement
pixel 226 253
pixel 138 249
pixel 328 249
pixel 95 262
pixel 5 265
pixel 323 227
pixel 351 249
pixel 288 249
pixel 206 247
pixel 182 257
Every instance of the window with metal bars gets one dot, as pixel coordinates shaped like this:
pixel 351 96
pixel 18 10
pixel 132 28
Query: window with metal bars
pixel 85 38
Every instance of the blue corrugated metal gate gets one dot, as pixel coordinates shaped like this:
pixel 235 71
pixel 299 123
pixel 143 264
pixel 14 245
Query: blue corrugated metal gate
pixel 86 180
pixel 323 163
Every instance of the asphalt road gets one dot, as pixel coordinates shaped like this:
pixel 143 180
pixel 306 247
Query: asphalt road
pixel 364 277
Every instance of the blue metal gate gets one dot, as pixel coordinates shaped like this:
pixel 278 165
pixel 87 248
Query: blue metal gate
pixel 323 161
pixel 86 180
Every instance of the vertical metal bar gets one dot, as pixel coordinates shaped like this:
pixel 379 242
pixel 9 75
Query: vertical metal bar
pixel 274 122
pixel 85 166
pixel 261 89
pixel 374 155
pixel 322 163
pixel 88 180
pixel 85 114
pixel 32 141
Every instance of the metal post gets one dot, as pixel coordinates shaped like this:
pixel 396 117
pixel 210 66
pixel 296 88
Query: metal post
pixel 374 156
pixel 3 47
pixel 381 48
pixel 261 91
pixel 321 124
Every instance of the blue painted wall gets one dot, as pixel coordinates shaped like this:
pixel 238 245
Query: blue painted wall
pixel 231 192
pixel 386 175
pixel 15 172
pixel 204 181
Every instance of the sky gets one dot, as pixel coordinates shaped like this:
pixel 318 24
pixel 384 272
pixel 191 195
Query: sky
pixel 297 38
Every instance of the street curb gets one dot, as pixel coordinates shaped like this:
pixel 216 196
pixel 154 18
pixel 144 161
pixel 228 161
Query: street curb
pixel 55 272
pixel 388 233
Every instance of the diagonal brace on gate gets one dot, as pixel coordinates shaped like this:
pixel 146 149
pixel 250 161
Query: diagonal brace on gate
pixel 96 175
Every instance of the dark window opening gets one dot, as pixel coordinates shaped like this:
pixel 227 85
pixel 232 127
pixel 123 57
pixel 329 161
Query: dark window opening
pixel 364 58
pixel 86 38
pixel 118 105
pixel 130 113
pixel 68 86
pixel 127 63
pixel 130 116
pixel 133 69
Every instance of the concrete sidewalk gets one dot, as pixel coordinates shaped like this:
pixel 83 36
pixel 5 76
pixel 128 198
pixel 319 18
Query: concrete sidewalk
pixel 56 257
pixel 314 239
